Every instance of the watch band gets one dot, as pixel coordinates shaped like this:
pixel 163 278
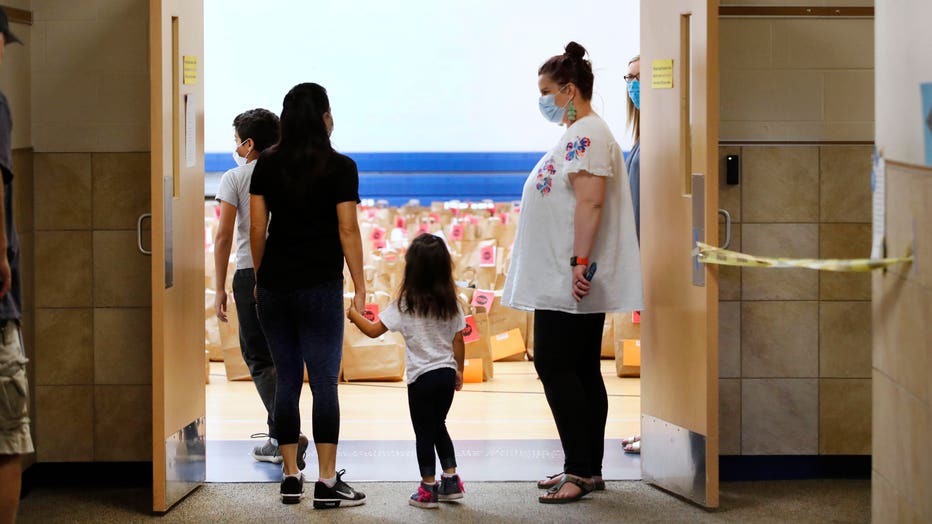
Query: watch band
pixel 579 261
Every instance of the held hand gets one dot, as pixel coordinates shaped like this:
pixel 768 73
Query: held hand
pixel 6 274
pixel 459 380
pixel 580 284
pixel 359 302
pixel 353 315
pixel 220 304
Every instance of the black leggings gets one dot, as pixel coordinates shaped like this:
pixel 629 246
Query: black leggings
pixel 567 353
pixel 429 399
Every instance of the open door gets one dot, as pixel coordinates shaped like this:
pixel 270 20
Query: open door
pixel 679 205
pixel 176 51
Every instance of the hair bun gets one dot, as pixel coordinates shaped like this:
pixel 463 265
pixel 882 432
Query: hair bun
pixel 575 51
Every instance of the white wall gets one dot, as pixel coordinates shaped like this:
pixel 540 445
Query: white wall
pixel 415 75
pixel 903 62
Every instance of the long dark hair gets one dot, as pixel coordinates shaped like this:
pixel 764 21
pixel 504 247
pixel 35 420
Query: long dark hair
pixel 304 146
pixel 571 66
pixel 428 289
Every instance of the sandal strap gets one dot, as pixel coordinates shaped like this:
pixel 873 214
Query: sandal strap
pixel 585 488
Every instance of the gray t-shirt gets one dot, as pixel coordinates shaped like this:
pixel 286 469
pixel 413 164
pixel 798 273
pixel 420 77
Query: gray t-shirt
pixel 428 341
pixel 234 190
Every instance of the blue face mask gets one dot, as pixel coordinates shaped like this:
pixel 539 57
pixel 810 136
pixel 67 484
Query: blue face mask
pixel 634 91
pixel 549 108
pixel 551 111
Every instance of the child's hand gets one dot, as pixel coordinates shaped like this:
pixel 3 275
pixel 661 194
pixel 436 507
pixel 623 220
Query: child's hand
pixel 459 380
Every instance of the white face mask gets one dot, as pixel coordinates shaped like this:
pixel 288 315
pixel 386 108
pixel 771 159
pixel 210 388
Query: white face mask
pixel 240 160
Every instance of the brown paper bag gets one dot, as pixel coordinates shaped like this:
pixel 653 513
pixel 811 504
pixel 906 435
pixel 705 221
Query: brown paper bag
pixel 235 365
pixel 229 330
pixel 625 328
pixel 608 338
pixel 212 328
pixel 480 348
pixel 628 358
pixel 508 345
pixel 380 359
pixel 503 319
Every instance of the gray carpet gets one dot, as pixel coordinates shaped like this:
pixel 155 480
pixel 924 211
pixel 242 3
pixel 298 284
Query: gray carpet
pixel 796 501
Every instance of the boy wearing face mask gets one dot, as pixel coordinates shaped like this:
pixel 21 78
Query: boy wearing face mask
pixel 253 132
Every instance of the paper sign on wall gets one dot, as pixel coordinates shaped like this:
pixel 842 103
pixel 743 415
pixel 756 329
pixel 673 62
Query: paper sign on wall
pixel 483 299
pixel 190 69
pixel 487 256
pixel 636 317
pixel 371 313
pixel 470 332
pixel 190 130
pixel 662 74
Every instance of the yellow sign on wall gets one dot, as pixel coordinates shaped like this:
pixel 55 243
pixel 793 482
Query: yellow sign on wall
pixel 662 74
pixel 190 69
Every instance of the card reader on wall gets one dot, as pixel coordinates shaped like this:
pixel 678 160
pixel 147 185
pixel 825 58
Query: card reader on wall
pixel 732 169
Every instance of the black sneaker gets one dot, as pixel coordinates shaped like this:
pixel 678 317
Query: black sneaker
pixel 451 488
pixel 302 451
pixel 424 497
pixel 292 489
pixel 341 495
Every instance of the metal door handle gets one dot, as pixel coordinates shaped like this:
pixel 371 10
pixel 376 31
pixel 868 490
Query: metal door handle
pixel 141 249
pixel 727 216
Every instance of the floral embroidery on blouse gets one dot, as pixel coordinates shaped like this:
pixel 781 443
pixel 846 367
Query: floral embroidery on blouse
pixel 577 148
pixel 545 177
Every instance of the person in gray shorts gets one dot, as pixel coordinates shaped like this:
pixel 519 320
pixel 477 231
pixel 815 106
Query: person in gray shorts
pixel 15 439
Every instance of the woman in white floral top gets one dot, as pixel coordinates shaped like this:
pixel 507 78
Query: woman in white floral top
pixel 576 213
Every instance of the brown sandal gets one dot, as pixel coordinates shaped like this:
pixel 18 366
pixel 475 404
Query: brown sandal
pixel 584 489
pixel 597 485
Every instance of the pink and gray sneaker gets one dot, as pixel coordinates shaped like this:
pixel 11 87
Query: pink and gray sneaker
pixel 451 488
pixel 425 496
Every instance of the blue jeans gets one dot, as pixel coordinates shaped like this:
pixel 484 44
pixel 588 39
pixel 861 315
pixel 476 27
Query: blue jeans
pixel 304 327
pixel 252 342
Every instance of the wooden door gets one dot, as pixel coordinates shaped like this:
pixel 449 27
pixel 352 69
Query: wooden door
pixel 176 53
pixel 679 205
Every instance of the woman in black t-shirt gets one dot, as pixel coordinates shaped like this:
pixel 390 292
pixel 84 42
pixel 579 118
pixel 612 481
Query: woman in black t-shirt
pixel 311 192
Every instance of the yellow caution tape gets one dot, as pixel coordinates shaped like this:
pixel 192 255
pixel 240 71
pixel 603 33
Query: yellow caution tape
pixel 714 255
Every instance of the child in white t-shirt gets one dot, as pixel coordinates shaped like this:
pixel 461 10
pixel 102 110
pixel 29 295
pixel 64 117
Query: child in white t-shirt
pixel 428 316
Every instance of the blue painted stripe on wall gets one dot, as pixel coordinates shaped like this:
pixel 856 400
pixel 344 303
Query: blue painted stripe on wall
pixel 416 162
pixel 399 188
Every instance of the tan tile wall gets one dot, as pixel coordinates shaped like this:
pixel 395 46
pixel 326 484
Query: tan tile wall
pixel 90 76
pixel 902 357
pixel 93 320
pixel 794 344
pixel 796 79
